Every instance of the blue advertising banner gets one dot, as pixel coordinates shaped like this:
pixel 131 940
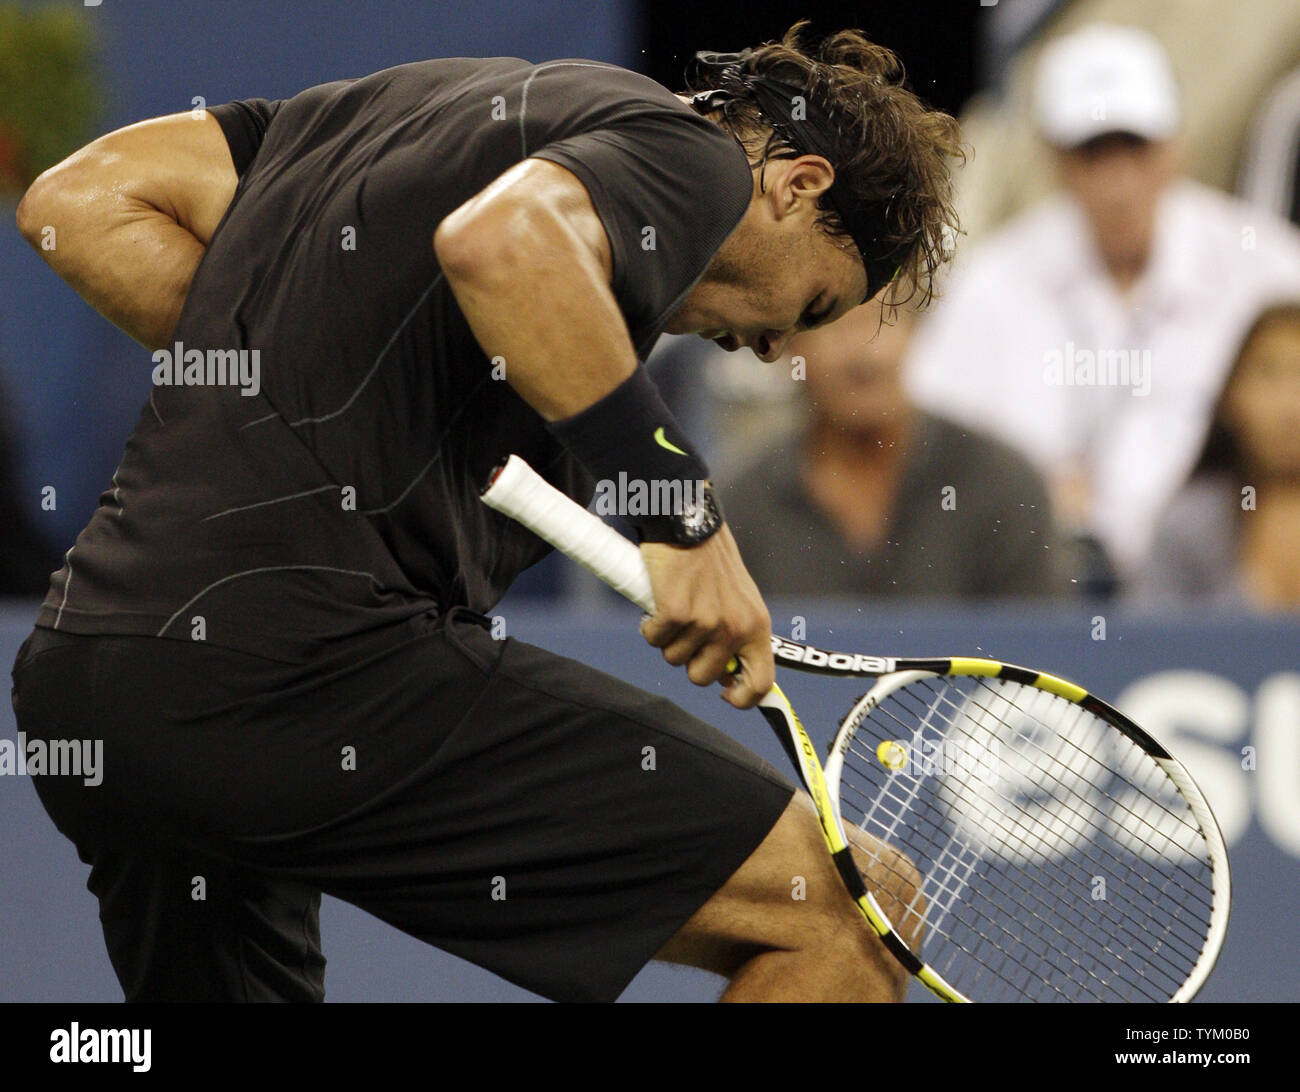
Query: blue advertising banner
pixel 1221 692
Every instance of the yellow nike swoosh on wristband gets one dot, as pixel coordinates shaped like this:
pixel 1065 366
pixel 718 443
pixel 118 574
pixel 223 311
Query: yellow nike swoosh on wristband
pixel 666 443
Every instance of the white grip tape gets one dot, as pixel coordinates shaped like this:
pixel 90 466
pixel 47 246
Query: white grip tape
pixel 519 492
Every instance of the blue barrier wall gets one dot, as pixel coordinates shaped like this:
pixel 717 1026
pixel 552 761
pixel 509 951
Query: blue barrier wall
pixel 1212 688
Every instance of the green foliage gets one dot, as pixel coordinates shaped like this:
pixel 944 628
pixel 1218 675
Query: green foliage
pixel 50 93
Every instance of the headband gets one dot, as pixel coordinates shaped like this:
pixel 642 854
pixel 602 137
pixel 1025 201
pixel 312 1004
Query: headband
pixel 813 133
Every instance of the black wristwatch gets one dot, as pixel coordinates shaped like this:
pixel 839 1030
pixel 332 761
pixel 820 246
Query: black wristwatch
pixel 696 522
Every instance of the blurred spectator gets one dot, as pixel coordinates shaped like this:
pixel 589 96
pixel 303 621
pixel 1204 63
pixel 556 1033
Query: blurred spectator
pixel 1270 174
pixel 1094 331
pixel 1230 535
pixel 1227 58
pixel 874 497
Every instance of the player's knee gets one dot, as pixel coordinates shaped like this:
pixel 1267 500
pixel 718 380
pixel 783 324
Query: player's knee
pixel 889 870
pixel 894 879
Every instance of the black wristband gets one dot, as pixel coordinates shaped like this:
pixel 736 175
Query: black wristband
pixel 646 470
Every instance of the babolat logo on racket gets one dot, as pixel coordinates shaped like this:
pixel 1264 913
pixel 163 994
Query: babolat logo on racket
pixel 792 652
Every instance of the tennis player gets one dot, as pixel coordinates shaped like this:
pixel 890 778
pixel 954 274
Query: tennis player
pixel 361 299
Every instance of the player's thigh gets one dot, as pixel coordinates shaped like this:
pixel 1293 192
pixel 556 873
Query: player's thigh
pixel 784 891
pixel 788 896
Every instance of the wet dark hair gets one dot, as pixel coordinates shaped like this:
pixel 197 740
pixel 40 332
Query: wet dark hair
pixel 891 153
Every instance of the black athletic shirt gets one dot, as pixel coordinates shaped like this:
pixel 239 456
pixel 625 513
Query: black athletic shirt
pixel 342 497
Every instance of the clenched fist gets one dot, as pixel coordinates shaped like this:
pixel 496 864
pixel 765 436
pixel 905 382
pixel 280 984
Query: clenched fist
pixel 707 610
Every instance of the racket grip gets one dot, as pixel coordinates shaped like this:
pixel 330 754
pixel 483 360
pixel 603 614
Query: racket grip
pixel 518 491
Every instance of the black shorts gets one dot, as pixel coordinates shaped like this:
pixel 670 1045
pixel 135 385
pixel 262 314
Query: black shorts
pixel 518 809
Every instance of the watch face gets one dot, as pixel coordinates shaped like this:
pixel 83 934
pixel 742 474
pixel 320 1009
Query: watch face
pixel 698 521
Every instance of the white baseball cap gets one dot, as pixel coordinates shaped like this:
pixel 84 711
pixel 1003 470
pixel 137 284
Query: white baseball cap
pixel 1105 79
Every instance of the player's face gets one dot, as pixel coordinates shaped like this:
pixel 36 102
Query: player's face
pixel 779 272
pixel 1117 179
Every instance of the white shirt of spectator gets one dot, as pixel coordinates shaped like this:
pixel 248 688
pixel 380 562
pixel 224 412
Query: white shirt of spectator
pixel 1006 346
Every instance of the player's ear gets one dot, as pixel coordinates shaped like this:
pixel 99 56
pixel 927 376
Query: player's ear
pixel 803 182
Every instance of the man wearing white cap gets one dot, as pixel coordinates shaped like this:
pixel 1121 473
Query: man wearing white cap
pixel 1094 330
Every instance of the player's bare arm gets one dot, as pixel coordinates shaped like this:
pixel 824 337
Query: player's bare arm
pixel 125 220
pixel 530 266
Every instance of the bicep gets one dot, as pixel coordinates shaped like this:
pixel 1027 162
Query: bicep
pixel 178 165
pixel 531 197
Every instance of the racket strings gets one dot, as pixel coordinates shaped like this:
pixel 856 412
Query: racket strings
pixel 916 785
pixel 1018 986
pixel 1078 713
pixel 1062 938
pixel 1067 741
pixel 1024 891
pixel 1019 859
pixel 1148 795
pixel 1075 713
pixel 1154 771
pixel 944 848
pixel 930 921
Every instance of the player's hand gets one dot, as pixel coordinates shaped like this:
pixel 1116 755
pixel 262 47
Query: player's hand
pixel 708 610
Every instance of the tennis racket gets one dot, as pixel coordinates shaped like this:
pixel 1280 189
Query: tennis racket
pixel 1063 854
